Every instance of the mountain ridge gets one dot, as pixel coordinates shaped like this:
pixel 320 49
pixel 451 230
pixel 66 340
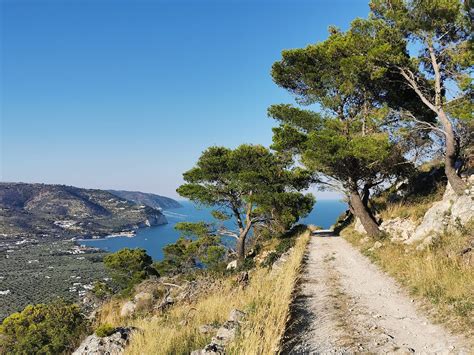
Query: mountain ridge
pixel 35 209
pixel 147 198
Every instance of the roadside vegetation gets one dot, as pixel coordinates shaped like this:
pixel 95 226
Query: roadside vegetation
pixel 265 299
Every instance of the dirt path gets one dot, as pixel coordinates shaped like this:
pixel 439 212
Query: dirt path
pixel 346 304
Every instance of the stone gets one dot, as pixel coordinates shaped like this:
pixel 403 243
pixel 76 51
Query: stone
pixel 143 300
pixel 112 345
pixel 128 309
pixel 377 245
pixel 399 229
pixel 207 328
pixel 259 259
pixel 462 210
pixel 226 333
pixel 236 315
pixel 210 349
pixel 365 240
pixel 143 297
pixel 278 264
pixel 232 265
pixel 448 214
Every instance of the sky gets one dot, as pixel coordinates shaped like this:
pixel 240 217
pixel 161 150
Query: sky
pixel 126 94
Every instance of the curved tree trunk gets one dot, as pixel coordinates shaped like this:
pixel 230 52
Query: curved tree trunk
pixel 240 247
pixel 454 179
pixel 366 218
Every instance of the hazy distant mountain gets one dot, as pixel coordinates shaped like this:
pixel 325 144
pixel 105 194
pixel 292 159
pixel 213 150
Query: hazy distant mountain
pixel 58 210
pixel 147 199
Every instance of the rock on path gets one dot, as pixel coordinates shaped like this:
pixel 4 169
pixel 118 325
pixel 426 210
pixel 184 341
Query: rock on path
pixel 346 304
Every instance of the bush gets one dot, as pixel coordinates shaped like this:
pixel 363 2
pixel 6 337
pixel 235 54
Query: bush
pixel 105 330
pixel 246 265
pixel 285 245
pixel 101 290
pixel 189 254
pixel 42 329
pixel 129 267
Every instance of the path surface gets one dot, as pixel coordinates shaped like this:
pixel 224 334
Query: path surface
pixel 346 304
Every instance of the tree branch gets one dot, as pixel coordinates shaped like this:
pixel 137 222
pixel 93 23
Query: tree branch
pixel 410 77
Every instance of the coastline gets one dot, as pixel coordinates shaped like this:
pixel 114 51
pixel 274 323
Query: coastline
pixel 128 234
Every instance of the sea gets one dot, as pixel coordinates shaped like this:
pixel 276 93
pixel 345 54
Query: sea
pixel 153 239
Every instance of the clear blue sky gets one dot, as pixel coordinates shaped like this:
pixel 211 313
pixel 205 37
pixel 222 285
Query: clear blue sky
pixel 126 94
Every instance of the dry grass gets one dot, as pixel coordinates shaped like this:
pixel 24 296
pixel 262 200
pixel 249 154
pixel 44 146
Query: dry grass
pixel 415 208
pixel 266 300
pixel 439 275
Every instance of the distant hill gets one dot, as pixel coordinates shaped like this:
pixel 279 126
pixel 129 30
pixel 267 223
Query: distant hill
pixel 147 199
pixel 64 211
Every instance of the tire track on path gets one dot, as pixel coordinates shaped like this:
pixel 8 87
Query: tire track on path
pixel 345 304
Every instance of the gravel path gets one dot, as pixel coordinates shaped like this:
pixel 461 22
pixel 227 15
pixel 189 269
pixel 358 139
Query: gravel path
pixel 345 304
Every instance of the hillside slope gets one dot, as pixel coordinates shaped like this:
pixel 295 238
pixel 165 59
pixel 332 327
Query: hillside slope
pixel 65 211
pixel 147 199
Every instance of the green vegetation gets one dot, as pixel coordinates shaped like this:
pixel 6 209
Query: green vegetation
pixel 199 246
pixel 250 184
pixel 369 123
pixel 42 329
pixel 46 271
pixel 101 290
pixel 176 331
pixel 128 267
pixel 346 146
pixel 104 330
pixel 440 71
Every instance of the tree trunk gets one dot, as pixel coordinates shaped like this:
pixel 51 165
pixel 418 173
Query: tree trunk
pixel 455 181
pixel 240 247
pixel 366 218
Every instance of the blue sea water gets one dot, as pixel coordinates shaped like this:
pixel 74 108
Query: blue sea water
pixel 153 239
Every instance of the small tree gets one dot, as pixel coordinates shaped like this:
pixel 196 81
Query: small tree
pixel 42 329
pixel 440 71
pixel 198 246
pixel 129 266
pixel 345 143
pixel 245 184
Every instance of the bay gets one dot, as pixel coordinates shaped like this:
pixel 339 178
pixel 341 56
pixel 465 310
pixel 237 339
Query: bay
pixel 153 239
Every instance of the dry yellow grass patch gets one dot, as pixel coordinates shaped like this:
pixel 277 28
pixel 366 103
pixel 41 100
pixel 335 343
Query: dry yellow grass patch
pixel 266 301
pixel 414 207
pixel 439 274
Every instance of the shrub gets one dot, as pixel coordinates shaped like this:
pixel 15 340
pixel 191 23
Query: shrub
pixel 204 251
pixel 42 329
pixel 105 330
pixel 101 290
pixel 285 245
pixel 129 267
